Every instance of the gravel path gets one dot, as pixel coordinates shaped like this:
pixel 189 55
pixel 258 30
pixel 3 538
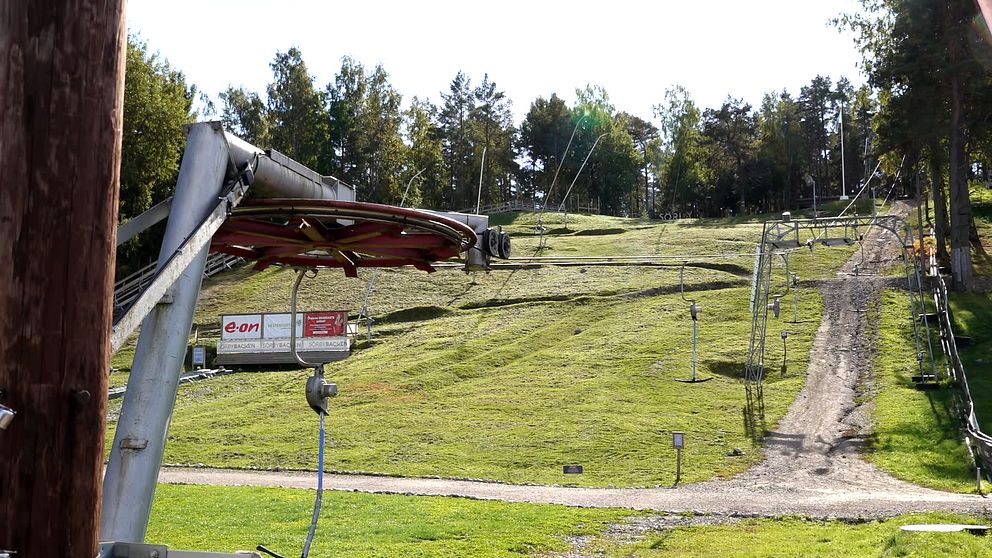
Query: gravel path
pixel 812 466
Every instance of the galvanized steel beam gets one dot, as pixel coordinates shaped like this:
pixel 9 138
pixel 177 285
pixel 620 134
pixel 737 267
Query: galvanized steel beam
pixel 136 454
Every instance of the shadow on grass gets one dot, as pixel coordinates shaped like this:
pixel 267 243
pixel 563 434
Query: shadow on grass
pixel 416 314
pixel 599 232
pixel 727 368
pixel 507 218
pixel 689 288
pixel 753 412
pixel 495 303
pixel 723 222
pixel 733 269
pixel 972 316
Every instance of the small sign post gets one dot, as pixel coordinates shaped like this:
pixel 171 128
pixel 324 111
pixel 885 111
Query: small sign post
pixel 572 469
pixel 678 442
pixel 199 358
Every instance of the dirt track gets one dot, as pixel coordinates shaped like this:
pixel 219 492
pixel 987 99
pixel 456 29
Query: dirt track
pixel 811 468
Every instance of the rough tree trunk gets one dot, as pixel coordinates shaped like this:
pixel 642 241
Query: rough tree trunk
pixel 61 96
pixel 939 202
pixel 961 270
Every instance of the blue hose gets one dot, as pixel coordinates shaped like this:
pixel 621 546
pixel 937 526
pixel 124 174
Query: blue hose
pixel 320 490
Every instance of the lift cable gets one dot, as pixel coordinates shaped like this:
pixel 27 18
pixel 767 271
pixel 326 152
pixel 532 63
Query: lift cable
pixel 363 311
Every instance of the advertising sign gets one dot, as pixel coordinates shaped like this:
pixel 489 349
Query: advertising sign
pixel 324 324
pixel 269 333
pixel 276 326
pixel 199 357
pixel 241 326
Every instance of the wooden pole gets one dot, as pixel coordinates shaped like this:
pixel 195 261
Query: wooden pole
pixel 61 96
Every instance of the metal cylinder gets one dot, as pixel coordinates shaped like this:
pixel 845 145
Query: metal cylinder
pixel 6 416
pixel 279 176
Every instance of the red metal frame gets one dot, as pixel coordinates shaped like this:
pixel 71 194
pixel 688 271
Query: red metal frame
pixel 349 235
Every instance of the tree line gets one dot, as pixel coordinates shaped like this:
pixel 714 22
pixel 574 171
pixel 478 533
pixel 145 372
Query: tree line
pixel 466 148
pixel 922 118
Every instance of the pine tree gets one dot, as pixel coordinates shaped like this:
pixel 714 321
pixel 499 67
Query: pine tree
pixel 298 115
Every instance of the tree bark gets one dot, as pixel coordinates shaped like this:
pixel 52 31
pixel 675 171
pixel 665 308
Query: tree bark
pixel 61 95
pixel 939 202
pixel 961 269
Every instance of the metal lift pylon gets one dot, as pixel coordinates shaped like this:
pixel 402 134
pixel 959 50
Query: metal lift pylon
pixel 784 234
pixel 216 171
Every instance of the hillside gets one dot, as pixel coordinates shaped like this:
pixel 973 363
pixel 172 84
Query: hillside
pixel 508 375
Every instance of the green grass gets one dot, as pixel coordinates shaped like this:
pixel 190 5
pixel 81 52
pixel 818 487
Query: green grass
pixel 972 315
pixel 917 435
pixel 511 393
pixel 981 210
pixel 795 538
pixel 225 519
pixel 521 372
pixel 363 525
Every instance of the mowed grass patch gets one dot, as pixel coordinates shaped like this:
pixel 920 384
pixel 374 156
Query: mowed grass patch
pixel 225 519
pixel 795 538
pixel 514 392
pixel 917 436
pixel 717 252
pixel 972 316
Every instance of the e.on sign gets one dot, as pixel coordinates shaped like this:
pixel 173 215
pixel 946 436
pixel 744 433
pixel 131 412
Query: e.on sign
pixel 243 326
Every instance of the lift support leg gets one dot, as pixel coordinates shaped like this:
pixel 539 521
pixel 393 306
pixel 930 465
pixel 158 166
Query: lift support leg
pixel 136 454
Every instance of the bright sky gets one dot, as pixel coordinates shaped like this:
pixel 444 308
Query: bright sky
pixel 634 48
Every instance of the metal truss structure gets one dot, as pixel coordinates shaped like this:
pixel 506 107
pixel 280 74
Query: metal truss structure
pixel 779 237
pixel 314 221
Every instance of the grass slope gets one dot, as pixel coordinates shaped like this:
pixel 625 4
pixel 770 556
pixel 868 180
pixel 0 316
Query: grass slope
pixel 518 373
pixel 794 538
pixel 509 393
pixel 225 519
pixel 917 436
pixel 972 315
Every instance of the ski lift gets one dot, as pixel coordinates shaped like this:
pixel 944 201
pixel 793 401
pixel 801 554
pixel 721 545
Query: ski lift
pixel 318 391
pixel 795 298
pixel 845 240
pixel 776 305
pixel 694 313
pixel 791 282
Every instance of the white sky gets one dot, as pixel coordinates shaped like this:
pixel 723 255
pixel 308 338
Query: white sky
pixel 634 48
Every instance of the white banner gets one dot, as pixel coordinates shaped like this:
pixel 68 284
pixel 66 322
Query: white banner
pixel 277 326
pixel 245 326
pixel 269 333
pixel 282 345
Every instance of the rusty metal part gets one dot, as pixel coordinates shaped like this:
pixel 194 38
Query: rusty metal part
pixel 332 233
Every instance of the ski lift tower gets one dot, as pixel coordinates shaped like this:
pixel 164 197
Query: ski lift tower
pixel 296 218
pixel 779 236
